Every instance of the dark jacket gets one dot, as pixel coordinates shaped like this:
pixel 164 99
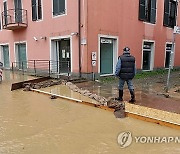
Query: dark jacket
pixel 125 67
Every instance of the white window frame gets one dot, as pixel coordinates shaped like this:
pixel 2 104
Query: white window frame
pixel 115 51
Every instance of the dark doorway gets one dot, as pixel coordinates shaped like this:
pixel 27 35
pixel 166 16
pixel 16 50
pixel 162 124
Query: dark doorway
pixel 64 56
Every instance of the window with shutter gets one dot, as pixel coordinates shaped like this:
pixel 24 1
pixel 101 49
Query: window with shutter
pixel 147 10
pixel 170 13
pixel 58 7
pixel 142 10
pixel 166 13
pixel 36 10
pixel 153 12
pixel 34 13
pixel 39 10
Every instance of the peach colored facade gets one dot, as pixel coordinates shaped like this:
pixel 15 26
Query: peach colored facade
pixel 102 22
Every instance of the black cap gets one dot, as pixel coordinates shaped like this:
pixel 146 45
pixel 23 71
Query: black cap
pixel 126 50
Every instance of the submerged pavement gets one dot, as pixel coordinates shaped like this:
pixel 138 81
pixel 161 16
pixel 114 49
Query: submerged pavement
pixel 34 123
pixel 143 98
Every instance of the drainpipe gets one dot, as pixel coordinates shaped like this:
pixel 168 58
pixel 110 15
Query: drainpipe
pixel 79 31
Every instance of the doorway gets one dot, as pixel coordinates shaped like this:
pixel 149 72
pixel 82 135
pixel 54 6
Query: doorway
pixel 106 56
pixel 64 55
pixel 5 56
pixel 148 56
pixel 21 57
pixel 168 55
pixel 61 55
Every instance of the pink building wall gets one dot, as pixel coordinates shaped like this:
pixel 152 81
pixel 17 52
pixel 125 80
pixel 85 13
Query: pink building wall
pixel 117 18
pixel 120 18
pixel 49 27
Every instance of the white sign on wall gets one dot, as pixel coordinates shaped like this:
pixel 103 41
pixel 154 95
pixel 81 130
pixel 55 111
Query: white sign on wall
pixel 108 41
pixel 176 30
pixel 93 56
pixel 83 41
pixel 93 63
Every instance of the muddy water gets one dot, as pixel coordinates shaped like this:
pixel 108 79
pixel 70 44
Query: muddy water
pixel 31 123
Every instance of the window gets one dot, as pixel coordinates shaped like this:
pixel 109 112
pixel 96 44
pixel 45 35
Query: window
pixel 170 13
pixel 36 10
pixel 147 10
pixel 58 7
pixel 168 55
pixel 147 55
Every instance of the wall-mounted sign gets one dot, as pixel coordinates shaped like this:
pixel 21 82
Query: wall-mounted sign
pixel 67 54
pixel 63 54
pixel 93 63
pixel 104 40
pixel 93 55
pixel 176 30
pixel 83 41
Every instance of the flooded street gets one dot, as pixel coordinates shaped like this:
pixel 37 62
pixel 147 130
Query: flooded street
pixel 32 123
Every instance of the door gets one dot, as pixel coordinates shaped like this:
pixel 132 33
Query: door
pixel 146 60
pixel 106 56
pixel 18 11
pixel 64 56
pixel 168 55
pixel 147 55
pixel 21 56
pixel 5 49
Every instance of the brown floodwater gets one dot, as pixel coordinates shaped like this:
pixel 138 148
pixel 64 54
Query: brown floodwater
pixel 32 123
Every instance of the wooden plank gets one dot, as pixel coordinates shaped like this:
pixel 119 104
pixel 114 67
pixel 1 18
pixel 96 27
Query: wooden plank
pixel 153 120
pixel 19 85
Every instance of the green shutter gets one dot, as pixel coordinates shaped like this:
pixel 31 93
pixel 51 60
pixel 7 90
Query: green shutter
pixel 62 6
pixel 153 11
pixel 6 56
pixel 142 10
pixel 5 13
pixel 55 7
pixel 39 10
pixel 22 56
pixel 173 13
pixel 34 11
pixel 18 11
pixel 166 13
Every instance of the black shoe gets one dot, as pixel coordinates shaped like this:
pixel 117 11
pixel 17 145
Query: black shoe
pixel 119 99
pixel 132 100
